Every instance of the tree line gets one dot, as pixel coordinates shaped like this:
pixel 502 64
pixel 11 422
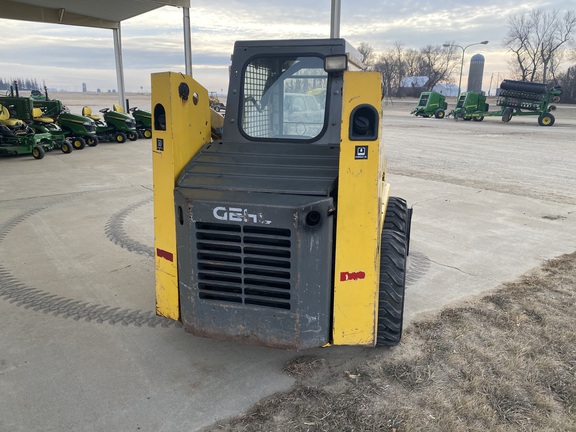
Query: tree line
pixel 23 83
pixel 538 43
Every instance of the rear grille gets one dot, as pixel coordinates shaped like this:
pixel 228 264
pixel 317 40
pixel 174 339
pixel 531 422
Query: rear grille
pixel 244 264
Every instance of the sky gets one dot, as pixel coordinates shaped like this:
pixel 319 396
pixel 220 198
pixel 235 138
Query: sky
pixel 65 56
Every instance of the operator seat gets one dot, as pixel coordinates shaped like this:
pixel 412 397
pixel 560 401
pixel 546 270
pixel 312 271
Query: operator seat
pixel 87 112
pixel 38 116
pixel 5 119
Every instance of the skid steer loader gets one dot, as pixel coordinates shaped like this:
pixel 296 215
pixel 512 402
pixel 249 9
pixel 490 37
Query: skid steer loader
pixel 280 232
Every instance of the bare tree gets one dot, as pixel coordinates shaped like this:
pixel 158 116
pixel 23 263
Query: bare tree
pixel 437 63
pixel 536 40
pixel 397 63
pixel 367 53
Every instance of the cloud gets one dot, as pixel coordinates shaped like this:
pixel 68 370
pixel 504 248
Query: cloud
pixel 68 56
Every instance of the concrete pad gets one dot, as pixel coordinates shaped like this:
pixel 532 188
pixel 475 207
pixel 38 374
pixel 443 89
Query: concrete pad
pixel 80 347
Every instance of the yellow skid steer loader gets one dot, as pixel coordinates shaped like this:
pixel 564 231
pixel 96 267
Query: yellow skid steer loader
pixel 281 231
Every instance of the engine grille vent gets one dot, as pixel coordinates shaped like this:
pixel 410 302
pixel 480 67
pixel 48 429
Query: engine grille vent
pixel 244 264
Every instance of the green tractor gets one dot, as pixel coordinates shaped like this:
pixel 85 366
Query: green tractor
pixel 431 104
pixel 17 138
pixel 143 122
pixel 471 106
pixel 115 126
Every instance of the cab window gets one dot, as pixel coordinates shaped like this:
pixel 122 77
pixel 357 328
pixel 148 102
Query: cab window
pixel 284 98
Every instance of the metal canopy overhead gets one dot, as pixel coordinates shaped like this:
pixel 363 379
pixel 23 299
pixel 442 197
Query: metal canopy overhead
pixel 106 14
pixel 88 13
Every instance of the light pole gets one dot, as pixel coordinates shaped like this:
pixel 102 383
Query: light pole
pixel 462 62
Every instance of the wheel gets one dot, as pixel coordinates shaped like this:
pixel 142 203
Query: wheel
pixel 132 136
pixel 440 114
pixel 147 133
pixel 507 114
pixel 92 141
pixel 66 147
pixel 38 152
pixel 467 118
pixel 426 116
pixel 395 243
pixel 546 119
pixel 78 143
pixel 478 118
pixel 216 108
pixel 120 137
pixel 556 99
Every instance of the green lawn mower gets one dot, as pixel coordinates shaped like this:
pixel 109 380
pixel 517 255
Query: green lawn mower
pixel 17 138
pixel 143 122
pixel 80 130
pixel 115 126
pixel 22 108
pixel 431 104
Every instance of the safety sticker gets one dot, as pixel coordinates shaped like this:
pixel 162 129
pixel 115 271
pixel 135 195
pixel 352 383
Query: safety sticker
pixel 361 152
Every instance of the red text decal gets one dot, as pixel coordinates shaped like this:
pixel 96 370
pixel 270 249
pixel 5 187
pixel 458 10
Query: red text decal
pixel 165 254
pixel 351 276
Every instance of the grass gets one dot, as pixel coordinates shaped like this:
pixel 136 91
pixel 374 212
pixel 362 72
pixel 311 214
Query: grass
pixel 503 362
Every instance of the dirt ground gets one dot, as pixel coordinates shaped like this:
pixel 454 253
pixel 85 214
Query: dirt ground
pixel 505 361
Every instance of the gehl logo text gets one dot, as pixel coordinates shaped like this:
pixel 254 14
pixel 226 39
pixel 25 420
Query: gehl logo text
pixel 235 214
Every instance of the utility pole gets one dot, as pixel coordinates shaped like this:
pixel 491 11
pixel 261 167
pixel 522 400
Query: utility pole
pixel 335 19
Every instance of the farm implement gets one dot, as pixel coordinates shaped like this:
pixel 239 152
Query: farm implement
pixel 431 104
pixel 516 98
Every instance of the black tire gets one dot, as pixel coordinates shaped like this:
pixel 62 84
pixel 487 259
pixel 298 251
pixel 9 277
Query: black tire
pixel 467 118
pixel 478 118
pixel 524 86
pixel 78 143
pixel 393 262
pixel 216 108
pixel 120 137
pixel 426 116
pixel 66 147
pixel 132 136
pixel 397 216
pixel 507 114
pixel 395 244
pixel 92 141
pixel 38 152
pixel 546 119
pixel 440 114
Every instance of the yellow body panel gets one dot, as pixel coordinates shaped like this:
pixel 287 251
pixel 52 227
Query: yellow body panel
pixel 362 199
pixel 187 129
